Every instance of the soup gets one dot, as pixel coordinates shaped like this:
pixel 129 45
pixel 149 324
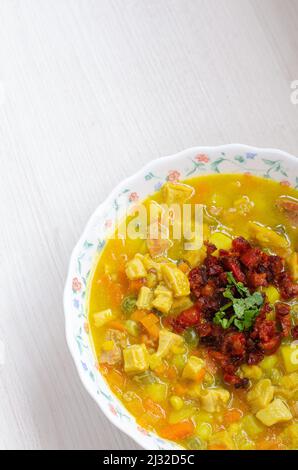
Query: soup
pixel 200 344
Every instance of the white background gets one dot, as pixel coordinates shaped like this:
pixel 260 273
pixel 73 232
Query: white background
pixel 93 89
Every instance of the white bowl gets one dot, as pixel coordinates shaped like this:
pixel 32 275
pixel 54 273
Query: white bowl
pixel 235 158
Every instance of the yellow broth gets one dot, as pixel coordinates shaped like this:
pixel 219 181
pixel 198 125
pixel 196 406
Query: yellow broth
pixel 231 202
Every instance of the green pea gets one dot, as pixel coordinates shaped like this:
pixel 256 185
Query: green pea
pixel 128 305
pixel 191 337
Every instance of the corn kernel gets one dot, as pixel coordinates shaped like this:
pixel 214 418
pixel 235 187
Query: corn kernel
pixel 176 402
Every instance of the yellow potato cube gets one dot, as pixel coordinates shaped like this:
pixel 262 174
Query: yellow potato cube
pixel 193 366
pixel 175 280
pixel 290 434
pixel 103 317
pixel 195 257
pixel 214 399
pixel 269 362
pixel 290 357
pixel 163 303
pixel 290 382
pixel 266 236
pixel 251 425
pixel 260 395
pixel 167 340
pixel 276 412
pixel 252 372
pixel 163 298
pixel 157 391
pixel 272 294
pixel 221 241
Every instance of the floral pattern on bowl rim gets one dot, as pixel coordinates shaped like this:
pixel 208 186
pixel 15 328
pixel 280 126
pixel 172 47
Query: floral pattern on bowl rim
pixel 235 158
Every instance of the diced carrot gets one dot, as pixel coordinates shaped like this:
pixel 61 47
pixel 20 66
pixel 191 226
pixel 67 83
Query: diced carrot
pixel 217 447
pixel 117 325
pixel 135 286
pixel 154 331
pixel 201 375
pixel 177 431
pixel 232 416
pixel 269 444
pixel 116 378
pixel 149 322
pixel 171 373
pixel 184 267
pixel 137 315
pixel 180 389
pixel 122 278
pixel 160 370
pixel 104 280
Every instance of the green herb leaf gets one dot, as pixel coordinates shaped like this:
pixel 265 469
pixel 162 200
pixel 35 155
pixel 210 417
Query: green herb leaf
pixel 245 309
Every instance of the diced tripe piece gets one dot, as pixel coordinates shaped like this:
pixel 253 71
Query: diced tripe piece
pixel 176 280
pixel 193 367
pixel 145 298
pixel 136 358
pixel 152 279
pixel 103 317
pixel 214 399
pixel 162 289
pixel 276 412
pixel 293 265
pixel 135 268
pixel 260 395
pixel 290 357
pixel 163 299
pixel 152 265
pixel 113 354
pixel 167 340
pixel 266 236
pixel 176 192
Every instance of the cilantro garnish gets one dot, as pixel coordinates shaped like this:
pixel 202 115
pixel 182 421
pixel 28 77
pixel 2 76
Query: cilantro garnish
pixel 246 308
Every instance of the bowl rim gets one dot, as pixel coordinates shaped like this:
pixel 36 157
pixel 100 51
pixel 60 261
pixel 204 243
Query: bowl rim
pixel 88 225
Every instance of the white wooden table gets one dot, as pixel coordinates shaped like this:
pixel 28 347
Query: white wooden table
pixel 90 91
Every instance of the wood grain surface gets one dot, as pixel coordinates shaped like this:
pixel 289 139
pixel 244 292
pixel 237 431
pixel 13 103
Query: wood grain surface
pixel 91 90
